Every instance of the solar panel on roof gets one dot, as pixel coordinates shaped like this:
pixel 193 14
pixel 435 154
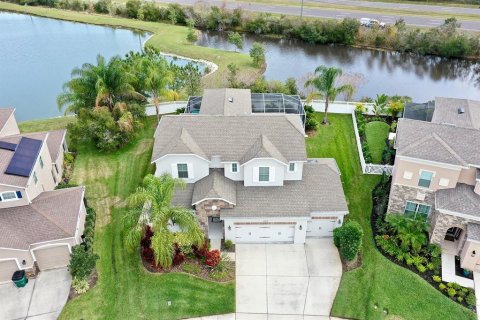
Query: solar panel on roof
pixel 24 157
pixel 8 146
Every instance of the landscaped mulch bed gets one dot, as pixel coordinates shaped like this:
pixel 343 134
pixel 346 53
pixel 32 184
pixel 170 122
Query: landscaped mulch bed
pixel 92 281
pixel 196 268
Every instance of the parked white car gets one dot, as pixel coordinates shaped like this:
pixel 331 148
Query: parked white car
pixel 370 23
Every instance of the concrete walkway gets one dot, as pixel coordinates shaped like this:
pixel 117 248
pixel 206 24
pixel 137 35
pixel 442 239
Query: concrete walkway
pixel 42 298
pixel 286 281
pixel 232 316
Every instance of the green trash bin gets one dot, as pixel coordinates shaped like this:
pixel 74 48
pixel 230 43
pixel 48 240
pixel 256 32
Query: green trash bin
pixel 19 278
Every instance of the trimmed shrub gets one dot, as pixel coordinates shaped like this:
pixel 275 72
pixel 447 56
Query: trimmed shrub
pixel 451 292
pixel 437 279
pixel 228 244
pixel 442 286
pixel 471 300
pixel 82 262
pixel 80 285
pixel 348 238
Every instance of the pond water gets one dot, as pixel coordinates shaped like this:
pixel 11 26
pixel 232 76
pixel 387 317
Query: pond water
pixel 38 54
pixel 421 78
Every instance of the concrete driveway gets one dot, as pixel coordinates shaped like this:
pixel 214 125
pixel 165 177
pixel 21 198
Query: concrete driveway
pixel 286 281
pixel 42 298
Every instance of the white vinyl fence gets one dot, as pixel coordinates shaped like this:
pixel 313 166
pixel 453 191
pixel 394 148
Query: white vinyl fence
pixel 343 107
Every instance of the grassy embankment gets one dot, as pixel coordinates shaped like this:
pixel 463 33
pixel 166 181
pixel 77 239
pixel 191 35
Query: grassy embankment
pixel 166 37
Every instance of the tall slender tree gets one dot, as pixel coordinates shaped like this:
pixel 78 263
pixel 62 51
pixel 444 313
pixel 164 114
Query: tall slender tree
pixel 324 84
pixel 151 205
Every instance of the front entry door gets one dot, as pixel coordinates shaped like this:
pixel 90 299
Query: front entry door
pixel 453 234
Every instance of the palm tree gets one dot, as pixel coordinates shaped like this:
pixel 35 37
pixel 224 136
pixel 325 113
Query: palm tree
pixel 380 104
pixel 158 78
pixel 151 205
pixel 103 84
pixel 324 83
pixel 412 232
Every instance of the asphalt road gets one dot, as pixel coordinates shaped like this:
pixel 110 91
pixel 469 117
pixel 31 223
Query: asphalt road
pixel 421 21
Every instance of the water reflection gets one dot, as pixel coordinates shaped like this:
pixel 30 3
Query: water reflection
pixel 422 78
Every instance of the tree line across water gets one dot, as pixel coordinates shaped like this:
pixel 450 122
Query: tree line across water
pixel 445 41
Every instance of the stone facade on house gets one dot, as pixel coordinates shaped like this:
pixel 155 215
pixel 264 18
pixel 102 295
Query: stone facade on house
pixel 399 194
pixel 204 211
pixel 441 222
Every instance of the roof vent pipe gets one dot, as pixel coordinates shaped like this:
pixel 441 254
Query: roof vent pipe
pixel 461 110
pixel 230 99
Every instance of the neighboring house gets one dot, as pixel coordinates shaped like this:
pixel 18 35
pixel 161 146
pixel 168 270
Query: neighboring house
pixel 38 225
pixel 247 175
pixel 437 175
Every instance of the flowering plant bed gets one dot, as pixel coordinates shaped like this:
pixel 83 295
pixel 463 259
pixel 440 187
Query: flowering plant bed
pixel 201 262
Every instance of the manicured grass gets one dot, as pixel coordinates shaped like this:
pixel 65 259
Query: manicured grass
pixel 124 289
pixel 376 132
pixel 45 124
pixel 166 37
pixel 379 281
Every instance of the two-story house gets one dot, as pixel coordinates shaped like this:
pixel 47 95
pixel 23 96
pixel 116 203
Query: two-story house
pixel 247 174
pixel 437 175
pixel 38 224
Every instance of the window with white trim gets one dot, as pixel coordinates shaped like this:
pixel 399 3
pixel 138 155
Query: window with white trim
pixel 415 210
pixel 263 174
pixel 234 167
pixel 35 179
pixel 425 179
pixel 291 167
pixel 182 170
pixel 10 195
pixel 41 161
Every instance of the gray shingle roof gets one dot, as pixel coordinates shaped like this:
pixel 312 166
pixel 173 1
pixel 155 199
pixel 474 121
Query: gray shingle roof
pixel 215 186
pixel 54 142
pixel 438 142
pixel 5 114
pixel 6 156
pixel 183 197
pixel 52 215
pixel 461 199
pixel 446 112
pixel 231 137
pixel 473 231
pixel 227 101
pixel 319 191
pixel 262 148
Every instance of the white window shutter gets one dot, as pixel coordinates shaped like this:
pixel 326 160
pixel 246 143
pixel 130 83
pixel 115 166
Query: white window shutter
pixel 272 174
pixel 174 170
pixel 255 174
pixel 190 170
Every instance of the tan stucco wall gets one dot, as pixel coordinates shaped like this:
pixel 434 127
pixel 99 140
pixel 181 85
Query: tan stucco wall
pixel 469 262
pixel 44 175
pixel 402 165
pixel 15 203
pixel 467 176
pixel 20 255
pixel 59 164
pixel 10 128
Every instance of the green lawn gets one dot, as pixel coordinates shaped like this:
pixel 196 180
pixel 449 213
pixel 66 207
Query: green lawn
pixel 379 281
pixel 375 133
pixel 45 124
pixel 166 37
pixel 124 289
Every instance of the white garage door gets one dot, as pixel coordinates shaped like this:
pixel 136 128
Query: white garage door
pixel 321 226
pixel 7 268
pixel 52 257
pixel 264 233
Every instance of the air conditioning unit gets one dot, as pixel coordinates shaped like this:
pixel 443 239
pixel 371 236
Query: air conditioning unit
pixel 420 196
